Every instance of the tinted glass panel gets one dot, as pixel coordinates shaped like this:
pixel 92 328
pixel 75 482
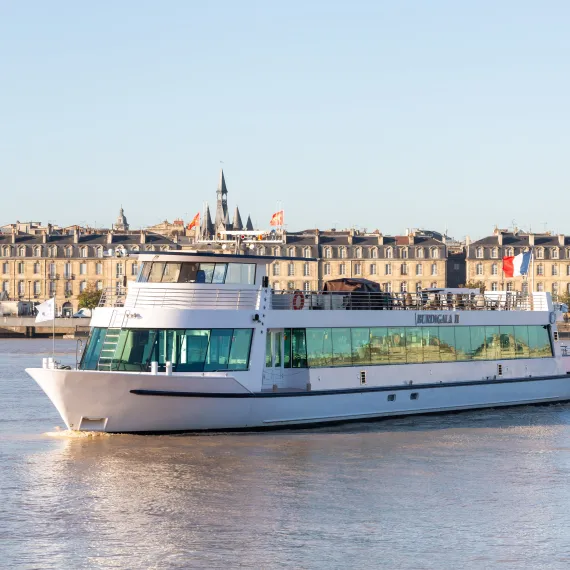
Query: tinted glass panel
pixel 478 343
pixel 218 350
pixel 463 343
pixel 299 348
pixel 341 347
pixel 447 344
pixel 319 347
pixel 171 273
pixel 360 346
pixel 507 342
pixel 287 348
pixel 493 343
pixel 239 352
pixel 93 349
pixel 431 344
pixel 414 350
pixel 397 345
pixel 379 348
pixel 156 272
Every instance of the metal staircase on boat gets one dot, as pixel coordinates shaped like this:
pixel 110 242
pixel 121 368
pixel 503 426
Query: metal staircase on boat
pixel 110 342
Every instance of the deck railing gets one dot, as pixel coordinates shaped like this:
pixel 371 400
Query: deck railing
pixel 355 301
pixel 182 298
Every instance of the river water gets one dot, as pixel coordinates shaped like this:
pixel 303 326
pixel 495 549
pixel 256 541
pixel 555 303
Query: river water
pixel 488 489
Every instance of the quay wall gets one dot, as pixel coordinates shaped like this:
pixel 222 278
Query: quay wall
pixel 18 327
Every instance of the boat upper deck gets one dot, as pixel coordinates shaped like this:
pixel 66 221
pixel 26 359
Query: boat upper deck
pixel 212 297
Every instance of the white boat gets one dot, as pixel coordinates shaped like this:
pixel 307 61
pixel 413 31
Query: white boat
pixel 200 342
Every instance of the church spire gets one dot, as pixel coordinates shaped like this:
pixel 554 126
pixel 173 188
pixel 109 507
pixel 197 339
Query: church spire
pixel 238 224
pixel 221 202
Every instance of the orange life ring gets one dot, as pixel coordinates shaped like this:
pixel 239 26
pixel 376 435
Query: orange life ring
pixel 298 300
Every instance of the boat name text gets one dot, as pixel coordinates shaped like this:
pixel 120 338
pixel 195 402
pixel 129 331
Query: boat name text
pixel 427 319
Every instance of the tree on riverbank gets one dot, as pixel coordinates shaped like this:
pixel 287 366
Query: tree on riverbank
pixel 89 298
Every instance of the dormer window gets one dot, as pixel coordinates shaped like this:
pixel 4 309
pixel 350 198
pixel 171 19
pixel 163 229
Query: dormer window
pixel 68 251
pixel 342 252
pixel 261 250
pixel 84 251
pixel 434 253
pixel 420 252
pixel 22 251
pixel 277 251
pixel 404 253
pixel 510 251
pixel 539 253
pixel 374 253
pixel 358 252
pixel 389 253
pixel 554 253
pixel 328 252
pixel 37 251
pixel 495 252
pixel 307 252
pixel 6 251
pixel 291 252
pixel 479 253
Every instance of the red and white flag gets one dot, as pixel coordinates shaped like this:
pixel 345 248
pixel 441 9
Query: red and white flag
pixel 277 219
pixel 195 221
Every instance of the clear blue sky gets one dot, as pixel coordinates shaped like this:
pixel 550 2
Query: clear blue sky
pixel 374 114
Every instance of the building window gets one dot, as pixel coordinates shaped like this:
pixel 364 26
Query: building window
pixel 6 251
pixel 119 269
pixel 568 253
pixel 555 270
pixel 290 285
pixel 554 253
pixel 434 268
pixel 52 288
pixel 99 285
pixel 99 268
pixel 99 252
pixel 276 269
pixel 510 251
pixel 291 252
pixel 404 253
pixel 328 252
pixel 358 253
pixel 555 290
pixel 276 286
pixel 388 269
pixel 433 285
pixel 21 288
pixel 494 286
pixel 358 268
pixel 51 270
pixel 419 269
pixel 37 288
pixel 52 251
pixel 372 269
pixel 540 269
pixel 22 251
pixel 69 251
pixel 84 251
pixel 134 269
pixel 342 252
pixel 495 252
pixel 67 271
pixel 539 253
pixel 306 269
pixel 479 253
pixel 479 269
pixel 420 252
pixel 20 267
pixel 290 268
pixel 83 268
pixel 494 269
pixel 82 286
pixel 327 269
pixel 403 287
pixel 374 253
pixel 36 268
pixel 37 251
pixel 404 269
pixel 307 252
pixel 5 268
pixel 261 250
pixel 277 251
pixel 418 286
pixel 389 253
pixel 342 269
pixel 5 285
pixel 434 253
pixel 540 287
pixel 387 287
pixel 510 286
pixel 306 286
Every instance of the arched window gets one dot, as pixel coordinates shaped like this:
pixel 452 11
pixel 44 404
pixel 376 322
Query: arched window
pixel 261 250
pixel 84 251
pixel 539 253
pixel 53 251
pixel 99 251
pixel 510 252
pixel 358 252
pixel 567 253
pixel 328 252
pixel 495 252
pixel 554 253
pixel 22 251
pixel 135 248
pixel 403 253
pixel 6 251
pixel 420 252
pixel 434 253
pixel 389 253
pixel 38 251
pixel 291 252
pixel 419 269
pixel 342 252
pixel 374 253
pixel 277 251
pixel 69 251
pixel 479 253
pixel 307 252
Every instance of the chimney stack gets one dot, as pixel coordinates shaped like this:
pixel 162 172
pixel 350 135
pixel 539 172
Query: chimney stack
pixel 531 239
pixel 380 239
pixel 500 238
pixel 143 237
pixel 75 235
pixel 561 240
pixel 110 237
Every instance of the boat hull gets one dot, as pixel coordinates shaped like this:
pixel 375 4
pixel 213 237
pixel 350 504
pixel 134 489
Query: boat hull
pixel 140 403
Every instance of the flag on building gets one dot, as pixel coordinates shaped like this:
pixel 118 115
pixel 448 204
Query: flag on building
pixel 514 266
pixel 277 219
pixel 46 311
pixel 195 221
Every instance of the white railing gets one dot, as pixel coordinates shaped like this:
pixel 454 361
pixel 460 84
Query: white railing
pixel 182 298
pixel 357 300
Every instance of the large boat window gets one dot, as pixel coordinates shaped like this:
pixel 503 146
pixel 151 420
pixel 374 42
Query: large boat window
pixel 189 350
pixel 193 272
pixel 328 347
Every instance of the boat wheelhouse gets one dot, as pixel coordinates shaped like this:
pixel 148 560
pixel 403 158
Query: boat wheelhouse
pixel 200 342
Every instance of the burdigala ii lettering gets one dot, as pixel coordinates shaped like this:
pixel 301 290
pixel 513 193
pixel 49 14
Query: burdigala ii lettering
pixel 437 319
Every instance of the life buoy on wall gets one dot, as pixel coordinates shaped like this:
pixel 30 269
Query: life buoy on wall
pixel 298 300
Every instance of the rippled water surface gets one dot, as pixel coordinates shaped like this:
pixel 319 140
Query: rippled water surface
pixel 473 490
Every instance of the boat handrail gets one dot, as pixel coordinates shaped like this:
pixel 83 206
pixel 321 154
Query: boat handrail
pixel 417 301
pixel 181 298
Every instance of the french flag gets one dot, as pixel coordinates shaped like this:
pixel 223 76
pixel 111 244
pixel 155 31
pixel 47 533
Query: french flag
pixel 514 266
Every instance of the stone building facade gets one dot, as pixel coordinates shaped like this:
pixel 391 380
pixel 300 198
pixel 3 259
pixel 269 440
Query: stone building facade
pixel 38 267
pixel 398 263
pixel 549 271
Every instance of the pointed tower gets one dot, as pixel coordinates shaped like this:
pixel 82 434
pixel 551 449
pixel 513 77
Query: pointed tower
pixel 221 203
pixel 238 224
pixel 121 225
pixel 249 225
pixel 207 228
